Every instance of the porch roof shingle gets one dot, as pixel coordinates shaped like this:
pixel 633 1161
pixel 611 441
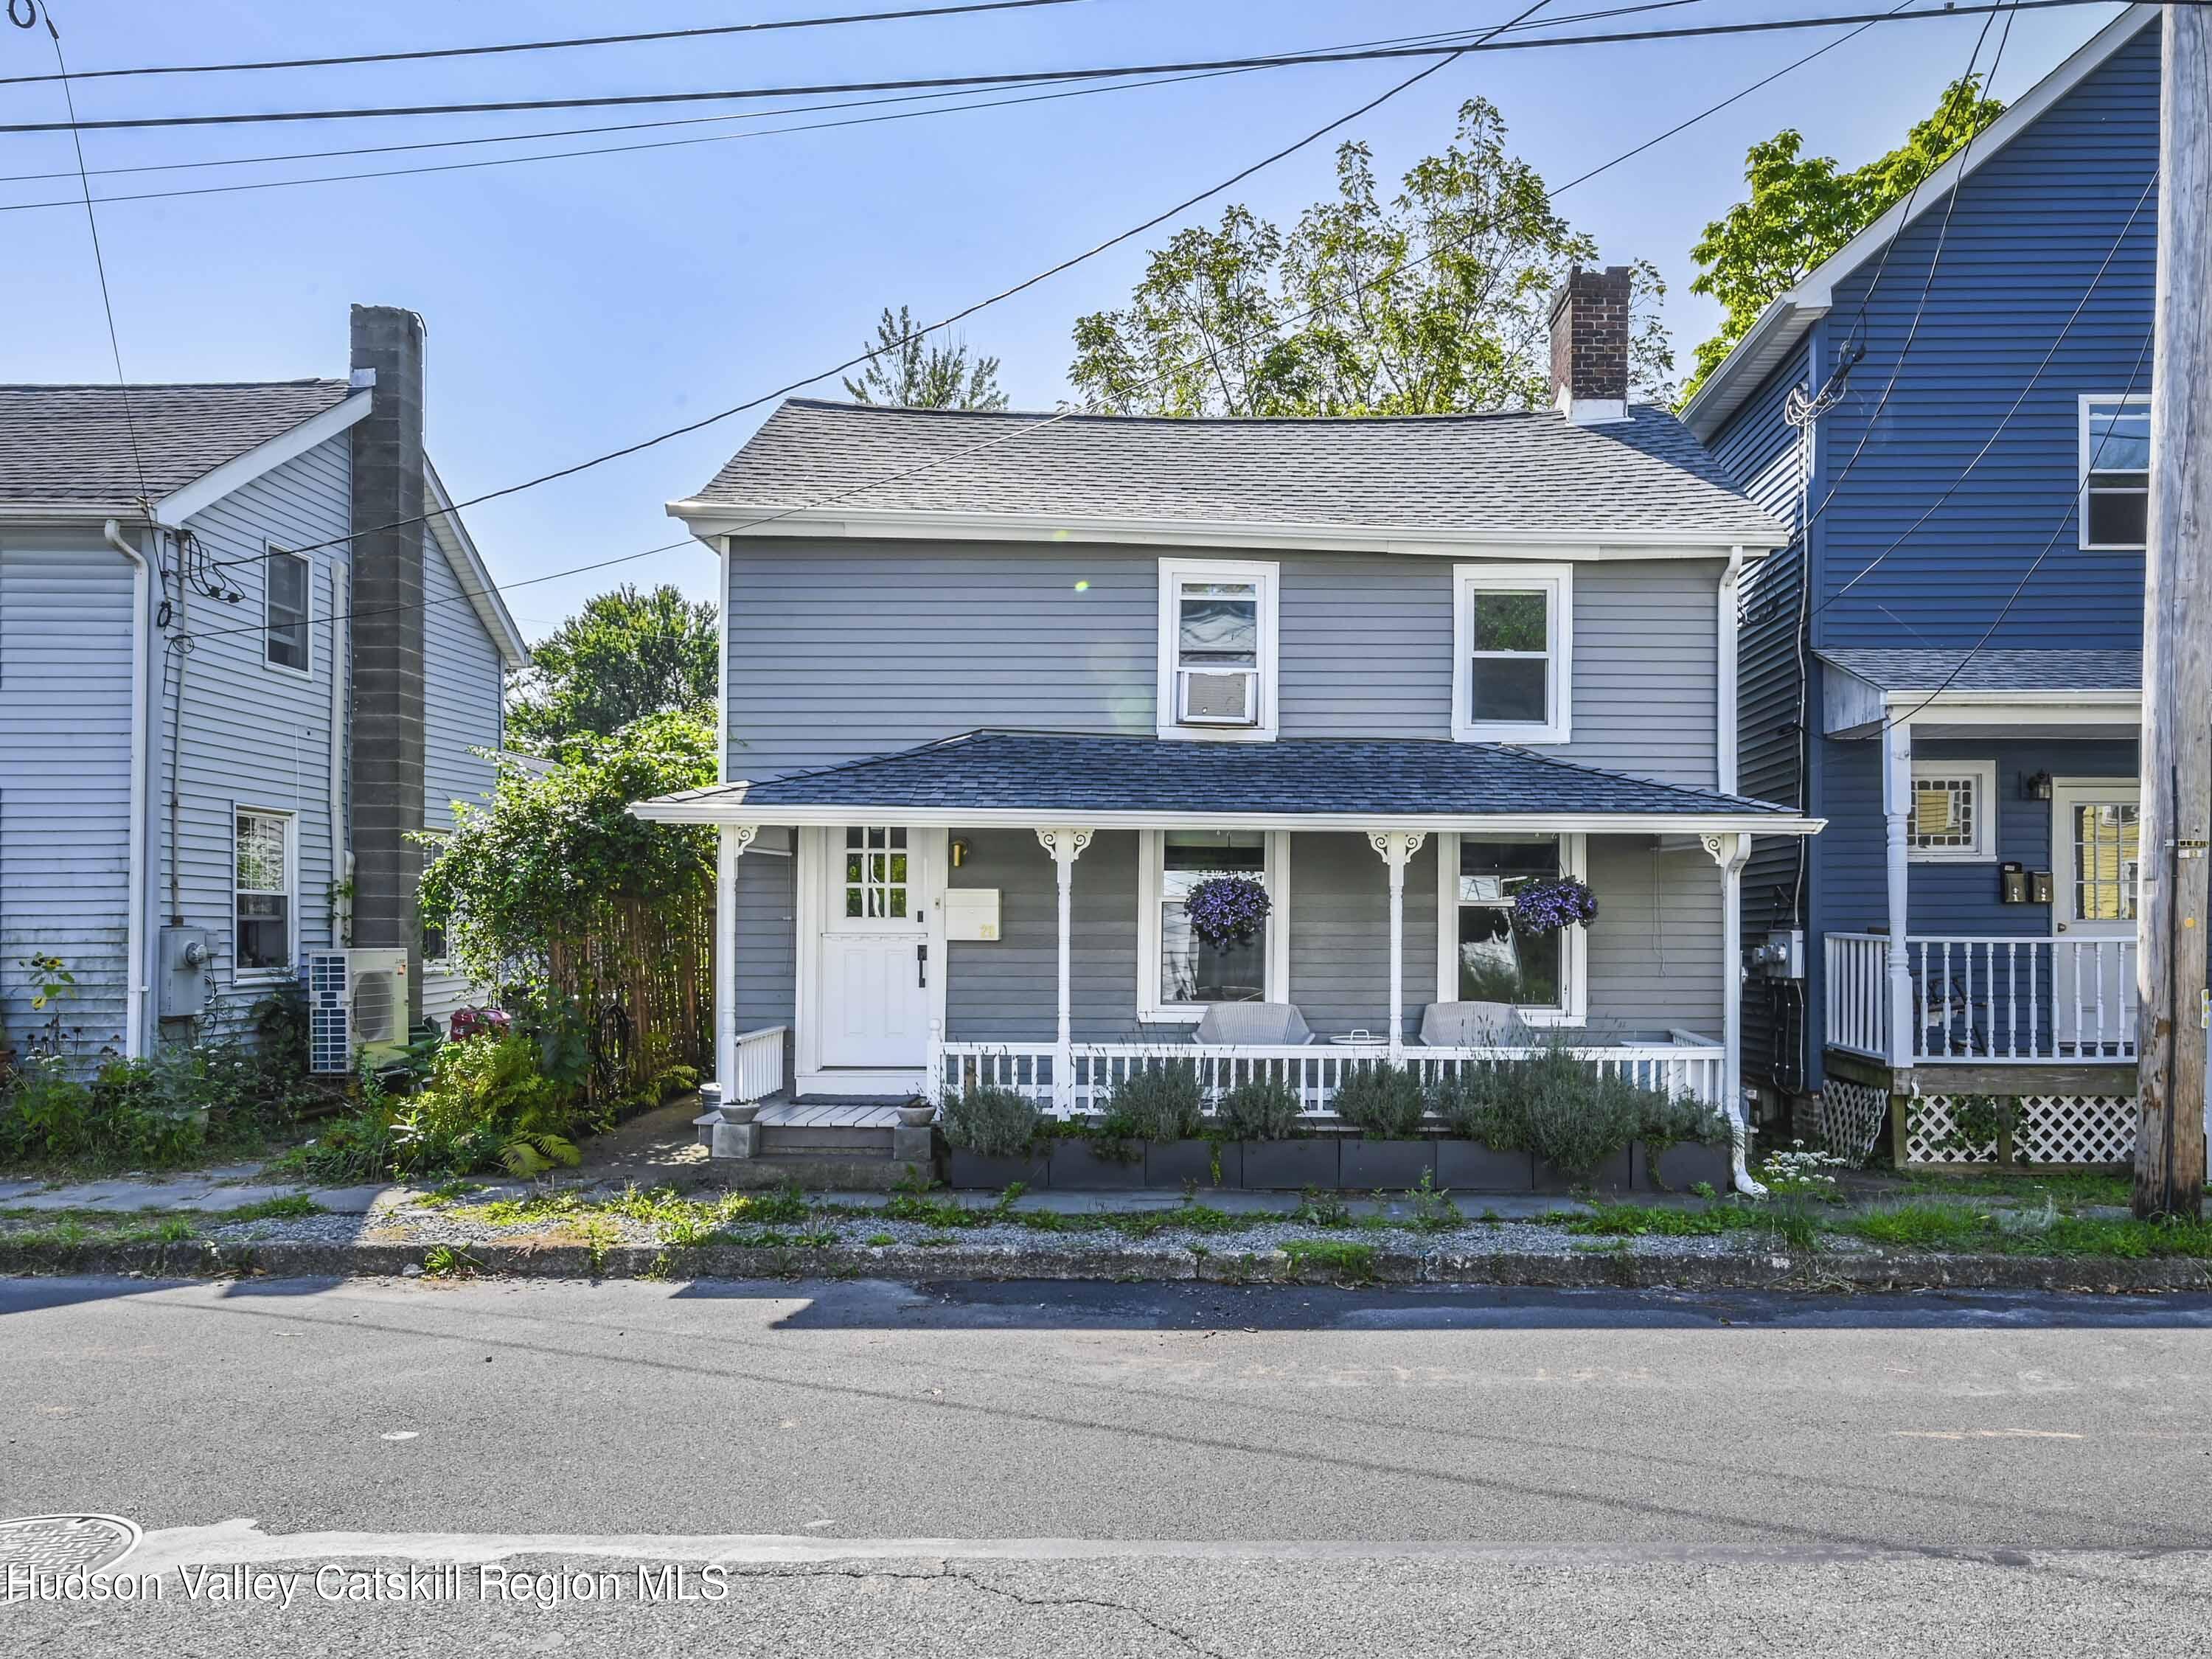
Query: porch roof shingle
pixel 1915 669
pixel 1079 773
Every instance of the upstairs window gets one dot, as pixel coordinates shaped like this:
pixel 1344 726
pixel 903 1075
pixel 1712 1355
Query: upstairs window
pixel 1512 628
pixel 284 621
pixel 1217 625
pixel 2115 472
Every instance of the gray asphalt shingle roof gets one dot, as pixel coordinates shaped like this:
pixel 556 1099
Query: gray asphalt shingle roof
pixel 1506 471
pixel 1923 670
pixel 71 445
pixel 1078 773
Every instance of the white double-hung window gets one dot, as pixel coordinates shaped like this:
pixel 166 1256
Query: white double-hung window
pixel 2115 472
pixel 264 867
pixel 1218 648
pixel 1512 639
pixel 284 598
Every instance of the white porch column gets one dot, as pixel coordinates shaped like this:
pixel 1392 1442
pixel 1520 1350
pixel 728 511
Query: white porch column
pixel 1896 808
pixel 1066 846
pixel 1731 853
pixel 731 841
pixel 1396 846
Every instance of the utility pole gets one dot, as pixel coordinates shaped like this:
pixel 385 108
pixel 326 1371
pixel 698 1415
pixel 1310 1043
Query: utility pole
pixel 2175 826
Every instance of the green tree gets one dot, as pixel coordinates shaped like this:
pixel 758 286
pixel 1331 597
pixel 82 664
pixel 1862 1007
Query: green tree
pixel 908 372
pixel 1432 301
pixel 625 655
pixel 1802 208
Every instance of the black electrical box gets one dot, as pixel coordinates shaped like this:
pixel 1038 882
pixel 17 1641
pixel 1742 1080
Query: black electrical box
pixel 2012 884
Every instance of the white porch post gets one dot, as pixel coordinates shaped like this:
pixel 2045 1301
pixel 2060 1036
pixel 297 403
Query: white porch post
pixel 1896 807
pixel 1066 846
pixel 1731 853
pixel 731 841
pixel 1396 846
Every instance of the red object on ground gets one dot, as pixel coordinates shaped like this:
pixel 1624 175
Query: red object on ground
pixel 467 1023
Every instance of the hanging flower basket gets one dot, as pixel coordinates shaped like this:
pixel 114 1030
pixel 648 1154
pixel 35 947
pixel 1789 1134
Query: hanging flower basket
pixel 1546 907
pixel 1227 910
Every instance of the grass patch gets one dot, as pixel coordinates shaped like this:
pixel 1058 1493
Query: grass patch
pixel 2069 1188
pixel 1936 1226
pixel 1351 1263
pixel 288 1206
pixel 1639 1220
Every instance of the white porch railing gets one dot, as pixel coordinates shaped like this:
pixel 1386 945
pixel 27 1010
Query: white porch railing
pixel 1685 1065
pixel 1985 1000
pixel 760 1065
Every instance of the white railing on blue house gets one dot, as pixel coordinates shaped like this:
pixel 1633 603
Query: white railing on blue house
pixel 1985 1000
pixel 1684 1065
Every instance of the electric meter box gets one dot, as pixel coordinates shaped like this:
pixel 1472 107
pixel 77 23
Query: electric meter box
pixel 187 956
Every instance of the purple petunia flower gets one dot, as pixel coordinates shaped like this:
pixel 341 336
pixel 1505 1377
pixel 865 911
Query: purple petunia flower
pixel 1227 909
pixel 1545 907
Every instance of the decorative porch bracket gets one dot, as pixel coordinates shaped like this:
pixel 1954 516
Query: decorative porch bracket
pixel 1731 852
pixel 1397 847
pixel 731 841
pixel 1066 844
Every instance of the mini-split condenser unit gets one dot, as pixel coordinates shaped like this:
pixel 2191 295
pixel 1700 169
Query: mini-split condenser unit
pixel 356 1006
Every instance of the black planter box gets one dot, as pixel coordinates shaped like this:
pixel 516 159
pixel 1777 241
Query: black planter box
pixel 1291 1165
pixel 1173 1163
pixel 1468 1166
pixel 995 1174
pixel 1078 1167
pixel 1392 1164
pixel 1613 1176
pixel 1685 1164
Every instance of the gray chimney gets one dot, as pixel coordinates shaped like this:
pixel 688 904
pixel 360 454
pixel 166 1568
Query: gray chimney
pixel 1589 346
pixel 387 637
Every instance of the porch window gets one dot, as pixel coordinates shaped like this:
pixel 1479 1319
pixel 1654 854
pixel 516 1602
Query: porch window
pixel 1952 802
pixel 1512 629
pixel 1218 630
pixel 875 872
pixel 1482 956
pixel 2105 860
pixel 1180 973
pixel 2115 472
pixel 284 620
pixel 262 890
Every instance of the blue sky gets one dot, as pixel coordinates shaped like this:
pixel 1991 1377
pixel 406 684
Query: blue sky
pixel 575 305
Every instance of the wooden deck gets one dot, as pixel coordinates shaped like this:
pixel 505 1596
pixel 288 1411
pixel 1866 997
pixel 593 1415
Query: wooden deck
pixel 808 1128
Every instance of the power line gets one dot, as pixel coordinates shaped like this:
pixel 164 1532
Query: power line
pixel 1446 54
pixel 544 45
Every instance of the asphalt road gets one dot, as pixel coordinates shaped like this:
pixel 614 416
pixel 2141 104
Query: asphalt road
pixel 861 1467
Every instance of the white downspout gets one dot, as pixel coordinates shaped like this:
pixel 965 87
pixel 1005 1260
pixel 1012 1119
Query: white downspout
pixel 1724 730
pixel 136 980
pixel 341 840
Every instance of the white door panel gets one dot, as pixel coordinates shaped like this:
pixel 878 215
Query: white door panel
pixel 2094 855
pixel 879 900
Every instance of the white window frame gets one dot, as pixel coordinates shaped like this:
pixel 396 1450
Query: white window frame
pixel 306 667
pixel 1574 945
pixel 1173 574
pixel 1557 582
pixel 1983 774
pixel 2088 399
pixel 243 975
pixel 1151 851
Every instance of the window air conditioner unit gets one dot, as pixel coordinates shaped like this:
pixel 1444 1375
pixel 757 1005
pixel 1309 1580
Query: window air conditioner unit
pixel 1218 696
pixel 356 1006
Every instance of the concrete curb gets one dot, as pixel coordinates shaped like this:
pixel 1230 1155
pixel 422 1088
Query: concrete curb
pixel 1871 1270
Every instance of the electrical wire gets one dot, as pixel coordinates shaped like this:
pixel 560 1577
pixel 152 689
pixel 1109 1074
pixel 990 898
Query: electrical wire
pixel 1264 61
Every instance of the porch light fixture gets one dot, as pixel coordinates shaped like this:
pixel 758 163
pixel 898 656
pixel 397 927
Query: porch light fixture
pixel 2035 786
pixel 959 851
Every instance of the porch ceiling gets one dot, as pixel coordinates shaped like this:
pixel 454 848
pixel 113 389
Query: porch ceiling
pixel 1033 778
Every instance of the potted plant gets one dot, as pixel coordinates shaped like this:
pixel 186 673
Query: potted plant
pixel 1263 1119
pixel 1226 910
pixel 1546 907
pixel 1147 1135
pixel 1386 1105
pixel 1682 1142
pixel 995 1136
pixel 1481 1152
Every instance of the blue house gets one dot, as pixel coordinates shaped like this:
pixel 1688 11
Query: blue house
pixel 1953 414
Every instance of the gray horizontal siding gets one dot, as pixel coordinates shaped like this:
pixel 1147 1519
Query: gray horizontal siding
pixel 839 650
pixel 1655 950
pixel 1341 933
pixel 1007 989
pixel 461 685
pixel 65 608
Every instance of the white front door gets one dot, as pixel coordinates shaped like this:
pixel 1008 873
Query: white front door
pixel 2095 856
pixel 879 895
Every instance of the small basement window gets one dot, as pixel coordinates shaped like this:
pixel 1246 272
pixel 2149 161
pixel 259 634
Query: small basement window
pixel 2115 472
pixel 284 621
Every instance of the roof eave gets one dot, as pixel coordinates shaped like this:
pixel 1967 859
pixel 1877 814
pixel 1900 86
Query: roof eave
pixel 1779 329
pixel 265 457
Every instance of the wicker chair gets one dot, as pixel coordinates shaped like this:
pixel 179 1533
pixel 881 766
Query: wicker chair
pixel 1254 1025
pixel 1467 1024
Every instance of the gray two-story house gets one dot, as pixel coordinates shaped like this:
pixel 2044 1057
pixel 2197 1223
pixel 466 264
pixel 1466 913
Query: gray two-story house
pixel 248 655
pixel 999 689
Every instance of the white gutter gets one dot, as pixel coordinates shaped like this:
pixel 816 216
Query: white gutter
pixel 135 983
pixel 1724 732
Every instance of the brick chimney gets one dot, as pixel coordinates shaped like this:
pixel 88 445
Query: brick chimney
pixel 387 636
pixel 1589 346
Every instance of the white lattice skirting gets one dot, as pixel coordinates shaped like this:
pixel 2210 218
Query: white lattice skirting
pixel 1852 1118
pixel 2046 1129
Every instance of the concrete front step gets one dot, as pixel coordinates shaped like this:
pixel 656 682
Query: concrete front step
pixel 818 1172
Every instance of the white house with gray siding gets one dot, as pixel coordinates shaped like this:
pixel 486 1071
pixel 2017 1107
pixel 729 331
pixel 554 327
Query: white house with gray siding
pixel 999 688
pixel 180 695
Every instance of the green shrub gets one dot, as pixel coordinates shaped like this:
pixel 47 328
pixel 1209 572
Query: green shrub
pixel 1473 1101
pixel 129 1114
pixel 1260 1108
pixel 1559 1107
pixel 1385 1101
pixel 990 1121
pixel 1158 1103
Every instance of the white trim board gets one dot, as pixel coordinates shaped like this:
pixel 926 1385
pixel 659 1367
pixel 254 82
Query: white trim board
pixel 731 808
pixel 240 471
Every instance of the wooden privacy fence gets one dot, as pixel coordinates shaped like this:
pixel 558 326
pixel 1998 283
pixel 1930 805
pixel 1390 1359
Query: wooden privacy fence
pixel 641 974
